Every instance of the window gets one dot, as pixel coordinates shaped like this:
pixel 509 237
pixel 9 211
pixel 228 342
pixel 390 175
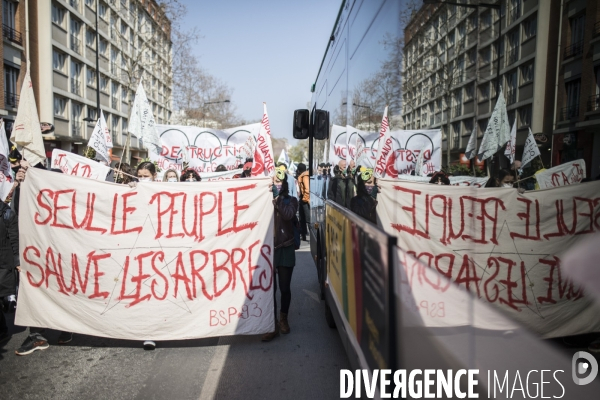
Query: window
pixel 486 20
pixel 91 77
pixel 456 135
pixel 9 10
pixel 485 55
pixel 469 89
pixel 123 28
pixel 60 106
pixel 103 47
pixel 76 109
pixel 525 116
pixel 511 87
pixel 473 21
pixel 462 31
pixel 514 10
pixel 529 28
pixel 102 10
pixel 90 38
pixel 468 123
pixel 75 42
pixel 75 74
pixel 58 15
pixel 526 73
pixel 573 89
pixel 123 94
pixel 484 92
pixel 90 4
pixel 11 75
pixel 451 38
pixel 103 84
pixel 58 61
pixel 472 56
pixel 577 28
pixel 594 101
pixel 91 113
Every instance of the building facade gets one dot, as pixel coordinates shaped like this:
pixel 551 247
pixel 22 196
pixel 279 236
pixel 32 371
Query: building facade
pixel 577 119
pixel 453 57
pixel 134 43
pixel 12 49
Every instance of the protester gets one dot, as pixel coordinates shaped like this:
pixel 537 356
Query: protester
pixel 170 176
pixel 221 168
pixel 505 179
pixel 146 172
pixel 284 258
pixel 364 203
pixel 350 183
pixel 247 169
pixel 440 178
pixel 190 175
pixel 304 185
pixel 123 173
pixel 9 261
pixel 337 187
pixel 290 179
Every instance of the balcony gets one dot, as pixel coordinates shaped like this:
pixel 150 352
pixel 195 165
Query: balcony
pixel 75 86
pixel 574 50
pixel 12 35
pixel 75 44
pixel 511 96
pixel 11 99
pixel 76 128
pixel 512 56
pixel 594 103
pixel 569 112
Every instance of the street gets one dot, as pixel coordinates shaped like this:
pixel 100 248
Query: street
pixel 304 364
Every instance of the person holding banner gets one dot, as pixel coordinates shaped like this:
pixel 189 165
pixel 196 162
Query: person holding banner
pixel 170 176
pixel 123 174
pixel 190 175
pixel 364 203
pixel 284 258
pixel 146 172
pixel 504 179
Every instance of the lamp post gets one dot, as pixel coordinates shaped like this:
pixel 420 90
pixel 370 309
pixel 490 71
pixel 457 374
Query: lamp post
pixel 476 6
pixel 204 109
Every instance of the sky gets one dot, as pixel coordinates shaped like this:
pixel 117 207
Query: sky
pixel 265 50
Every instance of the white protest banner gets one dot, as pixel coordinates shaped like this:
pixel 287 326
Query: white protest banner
pixel 264 147
pixel 530 150
pixel 351 136
pixel 497 132
pixel 73 164
pixel 337 144
pixel 509 152
pixel 366 149
pixel 203 148
pixel 162 261
pixel 6 180
pixel 141 122
pixel 502 246
pixel 569 173
pixel 27 133
pixel 385 146
pixel 98 140
pixel 454 180
pixel 410 144
pixel 219 176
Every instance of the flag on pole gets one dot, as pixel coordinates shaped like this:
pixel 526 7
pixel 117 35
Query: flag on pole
pixel 530 150
pixel 4 152
pixel 497 132
pixel 98 139
pixel 385 147
pixel 27 133
pixel 509 152
pixel 142 124
pixel 472 145
pixel 264 148
pixel 283 158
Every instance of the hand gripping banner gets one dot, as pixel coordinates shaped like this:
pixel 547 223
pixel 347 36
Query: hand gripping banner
pixel 162 261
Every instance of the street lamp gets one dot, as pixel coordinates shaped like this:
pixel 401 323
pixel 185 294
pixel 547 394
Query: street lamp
pixel 204 109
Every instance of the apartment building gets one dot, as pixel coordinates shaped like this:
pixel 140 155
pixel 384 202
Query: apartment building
pixel 134 43
pixel 453 56
pixel 12 49
pixel 577 119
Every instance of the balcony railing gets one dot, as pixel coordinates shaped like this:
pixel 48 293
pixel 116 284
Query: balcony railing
pixel 75 87
pixel 11 99
pixel 511 96
pixel 512 56
pixel 11 34
pixel 75 128
pixel 574 49
pixel 570 112
pixel 594 103
pixel 75 44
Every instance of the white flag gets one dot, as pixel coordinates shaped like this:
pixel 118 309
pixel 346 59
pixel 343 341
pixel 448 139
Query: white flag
pixel 509 152
pixel 283 158
pixel 497 132
pixel 385 148
pixel 98 139
pixel 142 124
pixel 26 133
pixel 419 170
pixel 4 152
pixel 264 148
pixel 530 150
pixel 472 145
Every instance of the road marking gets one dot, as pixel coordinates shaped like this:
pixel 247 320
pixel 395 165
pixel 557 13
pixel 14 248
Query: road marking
pixel 211 382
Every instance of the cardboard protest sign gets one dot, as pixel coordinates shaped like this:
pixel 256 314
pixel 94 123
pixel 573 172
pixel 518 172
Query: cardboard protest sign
pixel 337 144
pixel 504 247
pixel 203 148
pixel 162 261
pixel 73 164
pixel 569 173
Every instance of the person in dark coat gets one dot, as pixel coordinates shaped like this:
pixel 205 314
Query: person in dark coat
pixel 364 203
pixel 284 258
pixel 9 261
pixel 337 187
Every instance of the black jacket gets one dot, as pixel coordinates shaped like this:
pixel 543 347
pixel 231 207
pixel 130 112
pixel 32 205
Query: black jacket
pixel 285 211
pixel 9 237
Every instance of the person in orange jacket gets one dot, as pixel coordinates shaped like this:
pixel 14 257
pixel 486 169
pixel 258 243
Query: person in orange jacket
pixel 304 195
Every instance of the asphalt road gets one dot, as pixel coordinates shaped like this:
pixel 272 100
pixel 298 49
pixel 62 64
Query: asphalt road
pixel 302 365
